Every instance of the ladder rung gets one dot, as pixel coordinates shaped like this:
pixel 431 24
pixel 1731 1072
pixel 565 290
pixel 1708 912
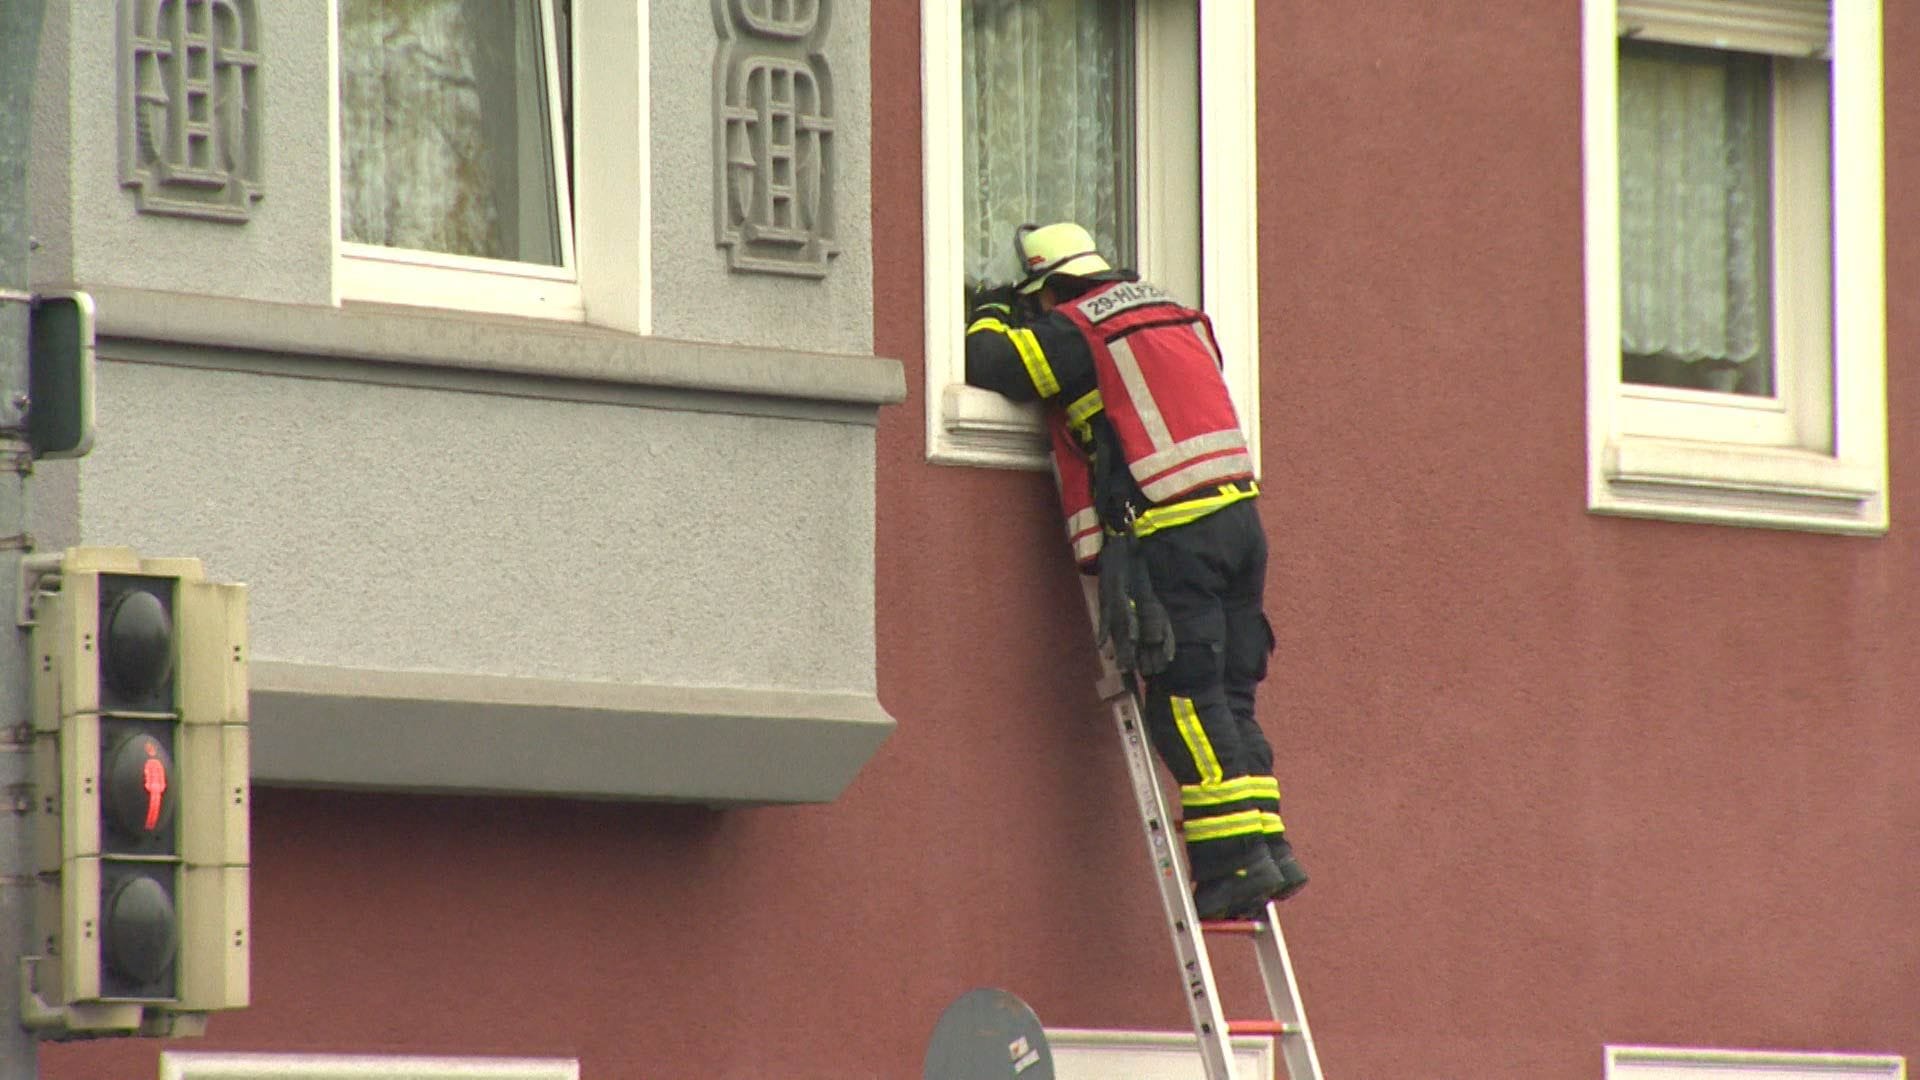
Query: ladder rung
pixel 1250 927
pixel 1262 1027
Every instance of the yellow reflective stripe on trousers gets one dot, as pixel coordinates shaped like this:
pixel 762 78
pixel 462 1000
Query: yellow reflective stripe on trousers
pixel 1195 736
pixel 1238 789
pixel 1028 347
pixel 1180 513
pixel 1244 823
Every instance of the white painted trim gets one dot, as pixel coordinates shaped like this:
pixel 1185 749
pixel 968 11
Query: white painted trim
pixel 1705 458
pixel 969 426
pixel 614 163
pixel 333 150
pixel 1096 1054
pixel 1229 192
pixel 374 274
pixel 1676 1063
pixel 189 1065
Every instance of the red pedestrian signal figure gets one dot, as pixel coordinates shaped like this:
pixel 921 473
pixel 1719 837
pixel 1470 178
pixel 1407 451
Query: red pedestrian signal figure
pixel 154 779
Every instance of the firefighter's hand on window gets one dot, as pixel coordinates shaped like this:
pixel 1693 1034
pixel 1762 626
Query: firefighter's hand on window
pixel 986 298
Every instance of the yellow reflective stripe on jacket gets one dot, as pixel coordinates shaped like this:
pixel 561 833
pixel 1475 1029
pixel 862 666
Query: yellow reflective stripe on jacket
pixel 1239 789
pixel 1187 720
pixel 1081 413
pixel 1271 825
pixel 1225 826
pixel 1187 510
pixel 1038 369
pixel 1029 349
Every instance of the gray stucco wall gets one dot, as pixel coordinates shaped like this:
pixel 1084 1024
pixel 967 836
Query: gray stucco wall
pixel 695 295
pixel 549 539
pixel 96 234
pixel 412 528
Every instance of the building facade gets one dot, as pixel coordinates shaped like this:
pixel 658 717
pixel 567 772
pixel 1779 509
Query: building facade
pixel 662 666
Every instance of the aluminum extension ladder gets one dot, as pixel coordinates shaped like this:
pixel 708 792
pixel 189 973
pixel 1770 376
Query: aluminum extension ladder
pixel 1288 1019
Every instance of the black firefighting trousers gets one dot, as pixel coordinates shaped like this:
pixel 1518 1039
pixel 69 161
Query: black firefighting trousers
pixel 1210 574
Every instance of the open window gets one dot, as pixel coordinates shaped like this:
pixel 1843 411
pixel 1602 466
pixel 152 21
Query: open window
pixel 1138 87
pixel 473 139
pixel 1735 271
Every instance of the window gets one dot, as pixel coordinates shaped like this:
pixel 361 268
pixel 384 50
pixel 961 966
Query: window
pixel 998 75
pixel 455 130
pixel 1092 1054
pixel 1735 277
pixel 1663 1063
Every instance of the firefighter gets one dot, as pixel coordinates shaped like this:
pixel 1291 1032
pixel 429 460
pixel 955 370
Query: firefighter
pixel 1156 483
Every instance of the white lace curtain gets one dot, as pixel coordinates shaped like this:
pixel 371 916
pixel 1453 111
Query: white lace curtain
pixel 1695 212
pixel 1048 110
pixel 442 138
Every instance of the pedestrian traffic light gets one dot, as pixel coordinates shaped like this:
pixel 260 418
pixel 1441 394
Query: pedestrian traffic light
pixel 141 752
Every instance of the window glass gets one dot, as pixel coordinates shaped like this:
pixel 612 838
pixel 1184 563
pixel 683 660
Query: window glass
pixel 1048 112
pixel 1696 218
pixel 445 129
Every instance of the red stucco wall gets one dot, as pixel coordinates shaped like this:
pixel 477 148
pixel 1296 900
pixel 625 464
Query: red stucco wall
pixel 1561 780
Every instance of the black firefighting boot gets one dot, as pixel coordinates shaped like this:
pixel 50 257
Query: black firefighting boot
pixel 1240 893
pixel 1293 877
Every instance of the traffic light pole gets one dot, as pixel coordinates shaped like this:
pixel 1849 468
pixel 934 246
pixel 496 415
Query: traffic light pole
pixel 19 47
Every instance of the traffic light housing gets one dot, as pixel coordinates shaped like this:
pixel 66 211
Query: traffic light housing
pixel 141 769
pixel 60 362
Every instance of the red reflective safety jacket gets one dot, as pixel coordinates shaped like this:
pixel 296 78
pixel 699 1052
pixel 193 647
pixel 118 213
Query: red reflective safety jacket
pixel 1158 368
pixel 1073 476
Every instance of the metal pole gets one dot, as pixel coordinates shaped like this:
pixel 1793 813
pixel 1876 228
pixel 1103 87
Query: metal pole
pixel 19 48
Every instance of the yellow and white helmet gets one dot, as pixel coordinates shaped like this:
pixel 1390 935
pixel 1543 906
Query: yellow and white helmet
pixel 1060 248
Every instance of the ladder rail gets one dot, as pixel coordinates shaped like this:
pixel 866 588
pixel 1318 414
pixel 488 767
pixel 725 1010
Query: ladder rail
pixel 1210 1027
pixel 1283 998
pixel 1176 898
pixel 1169 864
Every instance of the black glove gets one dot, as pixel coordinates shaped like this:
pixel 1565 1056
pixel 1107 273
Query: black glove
pixel 1119 624
pixel 1154 648
pixel 985 296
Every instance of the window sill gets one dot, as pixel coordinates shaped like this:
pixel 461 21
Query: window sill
pixel 979 427
pixel 336 727
pixel 1736 485
pixel 402 339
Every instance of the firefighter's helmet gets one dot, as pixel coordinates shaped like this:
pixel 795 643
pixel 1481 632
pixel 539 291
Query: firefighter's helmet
pixel 1060 248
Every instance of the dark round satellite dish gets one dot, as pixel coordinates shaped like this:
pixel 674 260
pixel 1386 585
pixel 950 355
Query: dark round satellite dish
pixel 988 1035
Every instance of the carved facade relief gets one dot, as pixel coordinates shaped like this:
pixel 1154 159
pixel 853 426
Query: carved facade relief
pixel 190 136
pixel 773 125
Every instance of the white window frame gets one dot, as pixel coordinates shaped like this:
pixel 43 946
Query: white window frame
pixel 1815 458
pixel 189 1065
pixel 606 272
pixel 1098 1054
pixel 970 426
pixel 1674 1063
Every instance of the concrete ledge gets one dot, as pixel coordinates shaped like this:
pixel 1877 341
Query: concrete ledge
pixel 494 344
pixel 317 726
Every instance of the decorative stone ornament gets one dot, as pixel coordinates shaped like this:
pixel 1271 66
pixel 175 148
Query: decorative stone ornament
pixel 190 122
pixel 773 127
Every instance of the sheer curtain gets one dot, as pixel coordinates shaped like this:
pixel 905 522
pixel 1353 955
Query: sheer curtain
pixel 1695 218
pixel 443 135
pixel 1049 115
